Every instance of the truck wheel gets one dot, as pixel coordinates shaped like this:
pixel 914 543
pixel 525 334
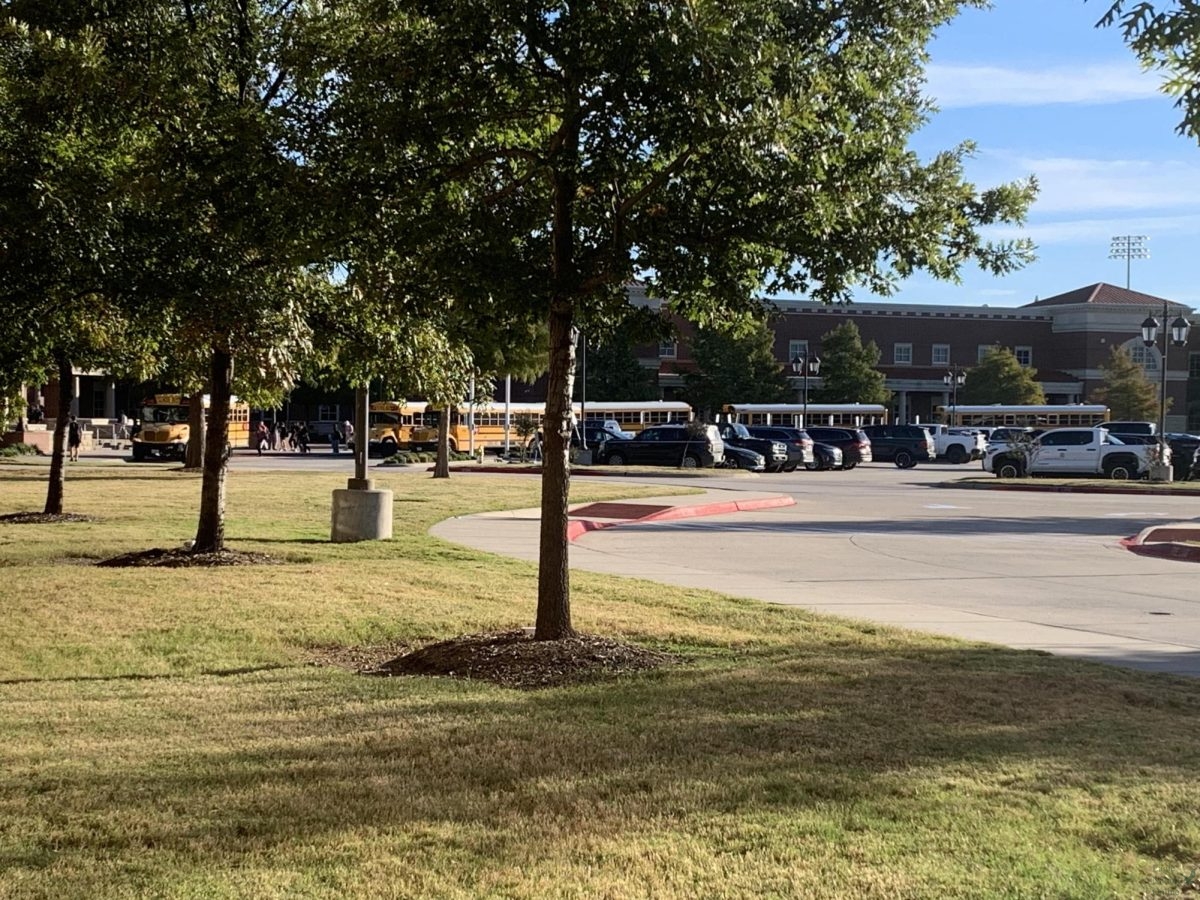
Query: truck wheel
pixel 846 467
pixel 904 460
pixel 388 448
pixel 616 459
pixel 957 454
pixel 1009 469
pixel 1120 471
pixel 691 461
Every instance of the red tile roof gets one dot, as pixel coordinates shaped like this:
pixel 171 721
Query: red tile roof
pixel 1103 294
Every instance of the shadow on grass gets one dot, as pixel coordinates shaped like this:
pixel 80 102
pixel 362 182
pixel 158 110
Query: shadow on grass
pixel 936 741
pixel 139 676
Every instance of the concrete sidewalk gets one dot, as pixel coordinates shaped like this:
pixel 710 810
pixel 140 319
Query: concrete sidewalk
pixel 841 576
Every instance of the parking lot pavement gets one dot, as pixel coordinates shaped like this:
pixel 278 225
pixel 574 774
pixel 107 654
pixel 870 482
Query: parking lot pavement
pixel 1041 572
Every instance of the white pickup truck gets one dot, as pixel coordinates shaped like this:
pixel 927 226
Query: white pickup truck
pixel 1070 451
pixel 958 445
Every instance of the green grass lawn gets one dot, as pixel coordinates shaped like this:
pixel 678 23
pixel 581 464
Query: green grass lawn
pixel 164 734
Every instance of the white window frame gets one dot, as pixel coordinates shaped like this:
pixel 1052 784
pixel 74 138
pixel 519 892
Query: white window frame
pixel 1028 351
pixel 797 348
pixel 937 358
pixel 1194 365
pixel 982 351
pixel 668 350
pixel 902 354
pixel 1146 357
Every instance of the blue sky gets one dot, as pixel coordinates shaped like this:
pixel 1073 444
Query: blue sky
pixel 1041 91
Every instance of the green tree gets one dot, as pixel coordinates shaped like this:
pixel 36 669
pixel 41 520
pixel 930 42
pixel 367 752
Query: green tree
pixel 713 150
pixel 613 372
pixel 735 367
pixel 1126 391
pixel 68 238
pixel 1165 36
pixel 848 373
pixel 999 378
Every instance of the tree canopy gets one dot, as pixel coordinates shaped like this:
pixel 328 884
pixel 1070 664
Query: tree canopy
pixel 1126 391
pixel 1165 36
pixel 712 150
pixel 1000 378
pixel 848 373
pixel 735 367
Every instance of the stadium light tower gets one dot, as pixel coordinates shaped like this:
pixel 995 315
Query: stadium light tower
pixel 1128 247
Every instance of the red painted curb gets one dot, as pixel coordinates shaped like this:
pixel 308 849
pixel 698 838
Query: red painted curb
pixel 1164 550
pixel 576 528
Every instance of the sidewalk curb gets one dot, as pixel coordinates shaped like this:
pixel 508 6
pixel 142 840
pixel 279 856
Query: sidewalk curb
pixel 1069 488
pixel 576 528
pixel 666 471
pixel 1166 542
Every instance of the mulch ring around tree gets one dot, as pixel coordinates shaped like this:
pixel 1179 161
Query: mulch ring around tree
pixel 180 557
pixel 514 659
pixel 36 518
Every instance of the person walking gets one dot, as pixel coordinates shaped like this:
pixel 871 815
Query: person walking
pixel 262 438
pixel 74 439
pixel 348 432
pixel 302 437
pixel 335 437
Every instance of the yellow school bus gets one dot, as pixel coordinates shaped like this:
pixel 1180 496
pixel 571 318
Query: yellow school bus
pixel 163 430
pixel 413 425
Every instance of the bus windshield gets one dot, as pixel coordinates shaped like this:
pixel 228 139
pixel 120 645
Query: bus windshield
pixel 164 414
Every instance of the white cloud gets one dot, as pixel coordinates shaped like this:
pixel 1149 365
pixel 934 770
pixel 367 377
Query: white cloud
pixel 1081 184
pixel 957 86
pixel 1099 231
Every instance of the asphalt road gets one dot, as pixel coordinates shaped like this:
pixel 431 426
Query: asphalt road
pixel 1034 570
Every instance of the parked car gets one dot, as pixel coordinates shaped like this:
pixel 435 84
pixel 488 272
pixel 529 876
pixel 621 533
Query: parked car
pixel 853 442
pixel 799 444
pixel 744 458
pixel 775 452
pixel 827 457
pixel 689 446
pixel 1184 450
pixel 905 445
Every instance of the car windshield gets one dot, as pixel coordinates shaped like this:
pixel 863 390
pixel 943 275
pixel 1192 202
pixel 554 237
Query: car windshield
pixel 739 429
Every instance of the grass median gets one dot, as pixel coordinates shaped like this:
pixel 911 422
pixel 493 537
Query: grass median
pixel 167 735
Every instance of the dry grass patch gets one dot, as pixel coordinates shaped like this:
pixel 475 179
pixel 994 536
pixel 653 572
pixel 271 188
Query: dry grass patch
pixel 787 755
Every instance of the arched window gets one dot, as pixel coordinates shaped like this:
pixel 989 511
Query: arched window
pixel 1146 357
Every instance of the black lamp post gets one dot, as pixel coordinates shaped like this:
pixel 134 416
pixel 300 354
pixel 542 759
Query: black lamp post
pixel 1179 336
pixel 954 379
pixel 805 365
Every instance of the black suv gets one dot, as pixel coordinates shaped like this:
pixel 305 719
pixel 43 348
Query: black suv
pixel 799 445
pixel 905 445
pixel 774 452
pixel 854 443
pixel 689 446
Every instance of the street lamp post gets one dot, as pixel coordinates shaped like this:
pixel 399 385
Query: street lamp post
pixel 805 365
pixel 1179 336
pixel 954 379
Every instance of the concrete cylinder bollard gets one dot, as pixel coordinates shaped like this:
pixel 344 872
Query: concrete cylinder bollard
pixel 361 515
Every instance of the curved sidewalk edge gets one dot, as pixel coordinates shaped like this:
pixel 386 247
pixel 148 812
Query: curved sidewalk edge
pixel 1113 488
pixel 1180 540
pixel 578 527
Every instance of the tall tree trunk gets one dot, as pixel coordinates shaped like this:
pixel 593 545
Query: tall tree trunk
pixel 210 536
pixel 196 432
pixel 66 394
pixel 441 468
pixel 554 575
